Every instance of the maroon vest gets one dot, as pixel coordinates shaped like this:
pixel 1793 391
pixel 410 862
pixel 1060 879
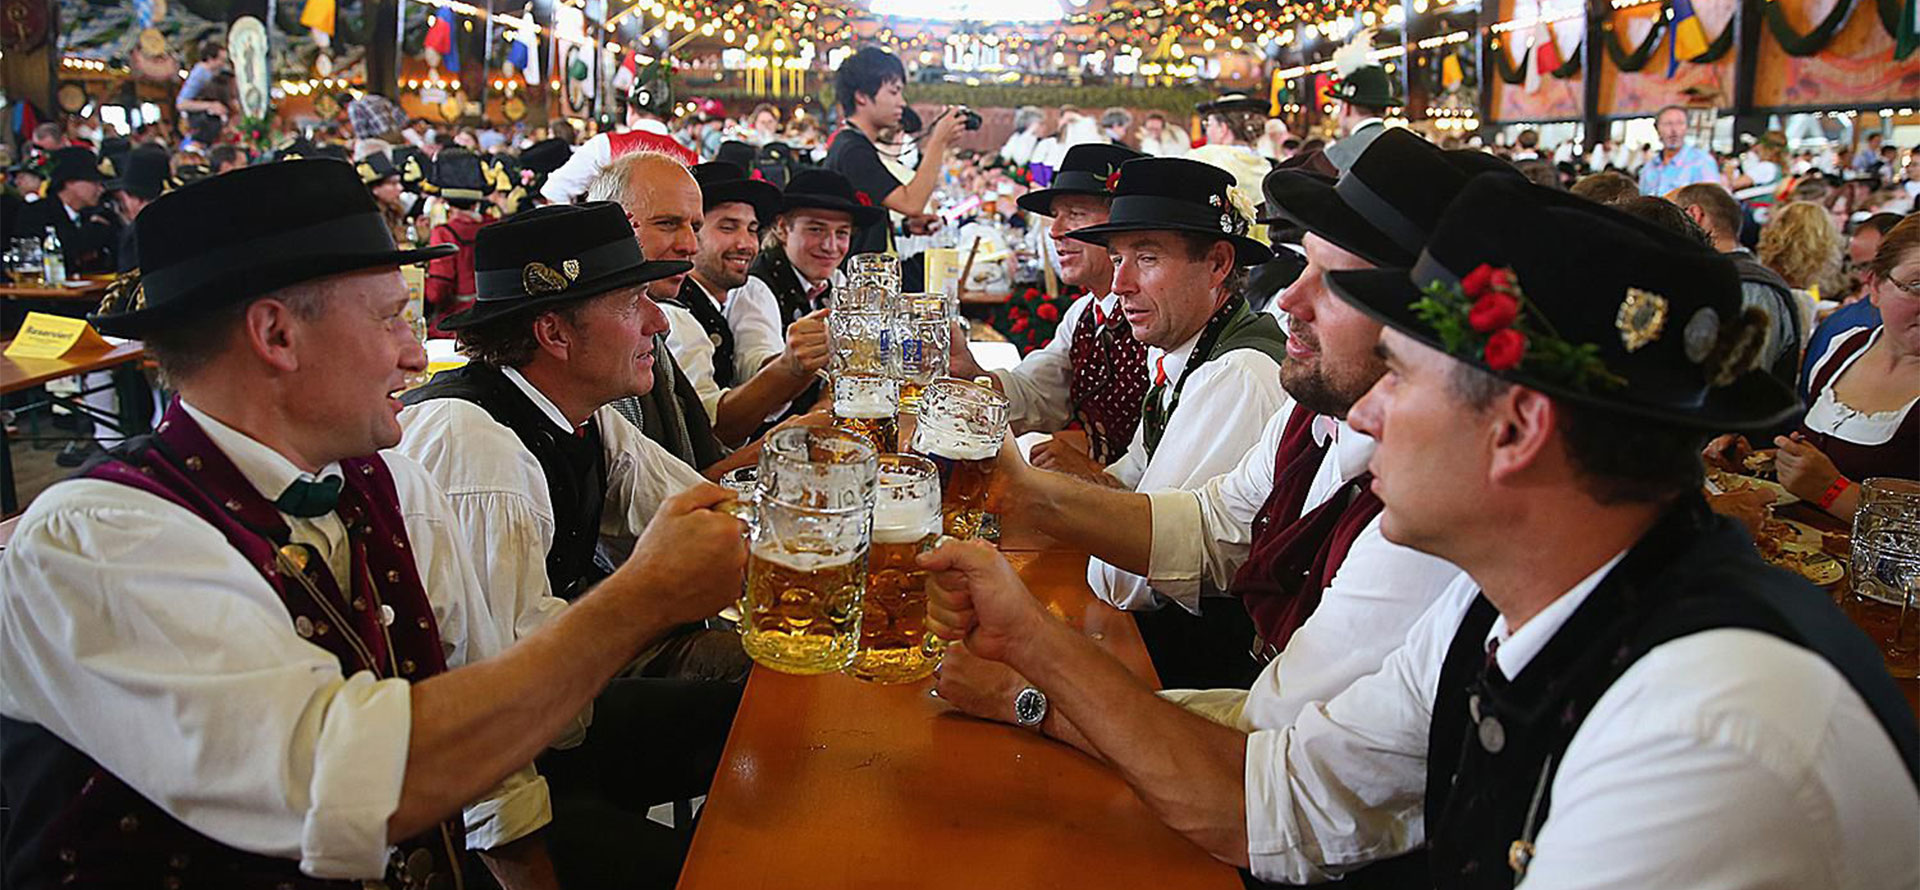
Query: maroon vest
pixel 95 830
pixel 1294 557
pixel 1109 382
pixel 1893 457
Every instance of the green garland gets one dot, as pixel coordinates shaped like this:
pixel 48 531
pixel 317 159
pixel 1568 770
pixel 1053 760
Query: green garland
pixel 1176 101
pixel 1811 42
pixel 1642 54
pixel 1890 20
pixel 1517 75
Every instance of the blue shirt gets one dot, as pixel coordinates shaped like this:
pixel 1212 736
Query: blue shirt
pixel 1690 164
pixel 197 81
pixel 1857 314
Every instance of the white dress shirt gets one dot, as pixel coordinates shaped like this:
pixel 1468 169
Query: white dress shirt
pixel 1378 592
pixel 499 493
pixel 1039 388
pixel 756 341
pixel 1223 407
pixel 133 631
pixel 570 181
pixel 1725 759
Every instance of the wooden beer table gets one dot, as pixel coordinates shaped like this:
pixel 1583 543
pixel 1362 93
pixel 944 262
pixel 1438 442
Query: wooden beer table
pixel 21 374
pixel 831 782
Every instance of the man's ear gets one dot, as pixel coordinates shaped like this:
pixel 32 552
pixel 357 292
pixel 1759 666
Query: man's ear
pixel 1525 423
pixel 554 335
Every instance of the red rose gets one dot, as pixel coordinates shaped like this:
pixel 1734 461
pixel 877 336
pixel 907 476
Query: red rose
pixel 1505 349
pixel 1048 312
pixel 1113 180
pixel 1477 280
pixel 1493 311
pixel 1045 343
pixel 1503 279
pixel 1019 325
pixel 864 199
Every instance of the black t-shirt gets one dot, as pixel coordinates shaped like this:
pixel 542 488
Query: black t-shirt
pixel 852 155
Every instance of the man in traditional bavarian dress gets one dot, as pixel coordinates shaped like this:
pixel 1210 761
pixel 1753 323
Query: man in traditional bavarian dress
pixel 539 466
pixel 740 365
pixel 250 651
pixel 1291 531
pixel 1619 692
pixel 1094 372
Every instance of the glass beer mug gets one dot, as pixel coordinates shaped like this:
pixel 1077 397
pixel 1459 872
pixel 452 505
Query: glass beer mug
pixel 1885 571
pixel 895 646
pixel 864 364
pixel 807 551
pixel 924 330
pixel 960 428
pixel 868 405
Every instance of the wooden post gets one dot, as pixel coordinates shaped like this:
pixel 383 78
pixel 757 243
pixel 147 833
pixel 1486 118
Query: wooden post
pixel 1750 19
pixel 30 35
pixel 1591 123
pixel 383 54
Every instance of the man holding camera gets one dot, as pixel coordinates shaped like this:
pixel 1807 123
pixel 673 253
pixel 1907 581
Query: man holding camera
pixel 870 89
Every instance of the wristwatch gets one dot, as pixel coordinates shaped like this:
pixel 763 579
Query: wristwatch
pixel 1030 707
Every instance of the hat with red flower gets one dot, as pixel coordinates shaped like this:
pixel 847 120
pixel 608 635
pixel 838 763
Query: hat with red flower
pixel 822 189
pixel 1088 169
pixel 1177 195
pixel 1583 303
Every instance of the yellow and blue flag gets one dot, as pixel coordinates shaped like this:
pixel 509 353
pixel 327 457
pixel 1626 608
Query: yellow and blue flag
pixel 1689 36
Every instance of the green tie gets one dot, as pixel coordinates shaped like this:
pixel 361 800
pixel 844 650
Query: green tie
pixel 309 499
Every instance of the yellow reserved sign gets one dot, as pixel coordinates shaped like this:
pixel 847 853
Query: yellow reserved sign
pixel 52 336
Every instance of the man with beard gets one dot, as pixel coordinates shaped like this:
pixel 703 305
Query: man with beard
pixel 741 370
pixel 1618 691
pixel 1094 372
pixel 1292 530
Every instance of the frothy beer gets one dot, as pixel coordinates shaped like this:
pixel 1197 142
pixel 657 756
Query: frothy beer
pixel 894 644
pixel 803 609
pixel 966 468
pixel 866 406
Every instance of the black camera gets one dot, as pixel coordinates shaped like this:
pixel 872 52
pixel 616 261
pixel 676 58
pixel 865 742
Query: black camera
pixel 969 119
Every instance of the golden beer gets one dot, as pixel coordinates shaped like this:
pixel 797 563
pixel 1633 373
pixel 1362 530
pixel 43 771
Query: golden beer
pixel 894 644
pixel 865 405
pixel 910 392
pixel 803 609
pixel 966 474
pixel 959 429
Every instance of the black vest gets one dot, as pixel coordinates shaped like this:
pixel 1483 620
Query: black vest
pixel 694 299
pixel 1692 572
pixel 777 271
pixel 575 467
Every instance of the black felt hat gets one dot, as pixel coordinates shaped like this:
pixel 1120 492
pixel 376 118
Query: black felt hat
pixel 375 168
pixel 215 242
pixel 72 164
pixel 1369 86
pixel 826 190
pixel 1234 102
pixel 1176 195
pixel 723 183
pixel 1583 303
pixel 458 175
pixel 555 254
pixel 146 172
pixel 545 156
pixel 1386 205
pixel 738 153
pixel 1085 171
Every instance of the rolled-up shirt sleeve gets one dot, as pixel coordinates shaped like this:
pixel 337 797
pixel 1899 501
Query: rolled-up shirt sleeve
pixel 1038 389
pixel 131 630
pixel 1202 535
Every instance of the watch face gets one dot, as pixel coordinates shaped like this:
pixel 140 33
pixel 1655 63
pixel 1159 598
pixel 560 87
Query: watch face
pixel 1030 706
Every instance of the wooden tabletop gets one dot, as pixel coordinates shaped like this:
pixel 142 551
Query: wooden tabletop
pixel 18 374
pixel 91 291
pixel 830 782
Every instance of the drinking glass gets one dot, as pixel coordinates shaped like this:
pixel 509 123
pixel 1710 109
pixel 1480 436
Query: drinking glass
pixel 959 429
pixel 1885 569
pixel 924 330
pixel 867 405
pixel 894 644
pixel 807 551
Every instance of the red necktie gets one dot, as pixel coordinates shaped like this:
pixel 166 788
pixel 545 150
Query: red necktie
pixel 1160 371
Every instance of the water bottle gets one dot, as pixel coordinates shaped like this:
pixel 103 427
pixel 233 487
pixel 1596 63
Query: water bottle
pixel 53 259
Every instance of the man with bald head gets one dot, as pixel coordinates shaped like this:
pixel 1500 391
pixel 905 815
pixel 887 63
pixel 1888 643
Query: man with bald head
pixel 663 203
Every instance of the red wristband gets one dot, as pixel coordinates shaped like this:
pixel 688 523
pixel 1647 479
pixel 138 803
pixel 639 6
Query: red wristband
pixel 1833 492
